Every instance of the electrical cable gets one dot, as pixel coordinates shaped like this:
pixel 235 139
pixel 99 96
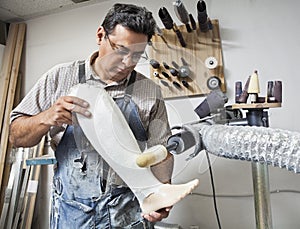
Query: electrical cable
pixel 276 191
pixel 213 189
pixel 214 196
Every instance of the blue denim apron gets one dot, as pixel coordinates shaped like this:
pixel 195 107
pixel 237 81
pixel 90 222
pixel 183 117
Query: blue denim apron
pixel 81 198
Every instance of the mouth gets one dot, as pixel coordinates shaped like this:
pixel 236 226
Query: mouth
pixel 118 73
pixel 118 70
pixel 121 70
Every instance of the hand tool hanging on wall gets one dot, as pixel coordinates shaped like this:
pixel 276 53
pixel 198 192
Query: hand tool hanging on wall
pixel 180 71
pixel 213 83
pixel 160 33
pixel 193 22
pixel 174 72
pixel 169 24
pixel 204 22
pixel 182 14
pixel 184 71
pixel 154 63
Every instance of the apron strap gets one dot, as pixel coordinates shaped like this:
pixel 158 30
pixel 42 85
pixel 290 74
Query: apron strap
pixel 132 78
pixel 81 73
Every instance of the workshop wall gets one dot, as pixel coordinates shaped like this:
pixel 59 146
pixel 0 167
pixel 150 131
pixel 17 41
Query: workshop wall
pixel 256 35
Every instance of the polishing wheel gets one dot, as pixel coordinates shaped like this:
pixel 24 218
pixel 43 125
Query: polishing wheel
pixel 152 156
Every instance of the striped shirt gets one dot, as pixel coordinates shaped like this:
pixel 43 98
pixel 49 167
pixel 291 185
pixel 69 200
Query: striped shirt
pixel 58 81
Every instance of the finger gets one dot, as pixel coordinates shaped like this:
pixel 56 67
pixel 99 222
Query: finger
pixel 167 209
pixel 164 213
pixel 75 104
pixel 63 119
pixel 154 216
pixel 81 110
pixel 72 107
pixel 60 124
pixel 149 218
pixel 77 101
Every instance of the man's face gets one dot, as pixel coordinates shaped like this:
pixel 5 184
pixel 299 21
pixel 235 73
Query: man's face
pixel 120 52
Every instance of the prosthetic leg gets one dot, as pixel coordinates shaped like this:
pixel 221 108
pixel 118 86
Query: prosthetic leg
pixel 110 135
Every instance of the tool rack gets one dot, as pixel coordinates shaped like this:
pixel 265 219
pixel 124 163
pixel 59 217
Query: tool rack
pixel 200 46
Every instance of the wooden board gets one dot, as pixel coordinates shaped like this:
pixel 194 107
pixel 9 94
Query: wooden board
pixel 10 193
pixel 11 87
pixel 199 47
pixel 6 67
pixel 255 105
pixel 7 165
pixel 30 198
pixel 21 198
pixel 16 187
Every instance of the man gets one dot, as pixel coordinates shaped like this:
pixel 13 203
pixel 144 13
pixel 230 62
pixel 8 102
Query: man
pixel 87 193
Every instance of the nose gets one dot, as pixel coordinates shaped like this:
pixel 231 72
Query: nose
pixel 127 60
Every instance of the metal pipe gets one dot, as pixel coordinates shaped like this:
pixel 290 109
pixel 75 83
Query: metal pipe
pixel 261 188
pixel 260 177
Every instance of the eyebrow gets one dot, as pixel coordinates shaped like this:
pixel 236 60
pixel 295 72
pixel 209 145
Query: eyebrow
pixel 122 46
pixel 129 50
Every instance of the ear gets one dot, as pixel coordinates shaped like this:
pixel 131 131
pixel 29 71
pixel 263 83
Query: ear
pixel 100 35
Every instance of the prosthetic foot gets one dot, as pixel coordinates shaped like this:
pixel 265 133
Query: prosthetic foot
pixel 167 195
pixel 110 135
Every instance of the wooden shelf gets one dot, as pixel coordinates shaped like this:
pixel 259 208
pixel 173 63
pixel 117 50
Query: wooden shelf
pixel 255 105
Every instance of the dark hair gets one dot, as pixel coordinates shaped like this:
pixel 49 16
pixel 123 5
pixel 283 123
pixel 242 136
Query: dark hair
pixel 135 18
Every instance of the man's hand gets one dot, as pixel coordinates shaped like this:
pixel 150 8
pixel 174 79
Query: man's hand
pixel 61 111
pixel 158 215
pixel 27 131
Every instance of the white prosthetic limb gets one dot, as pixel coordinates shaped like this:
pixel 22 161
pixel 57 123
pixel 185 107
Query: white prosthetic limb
pixel 110 135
